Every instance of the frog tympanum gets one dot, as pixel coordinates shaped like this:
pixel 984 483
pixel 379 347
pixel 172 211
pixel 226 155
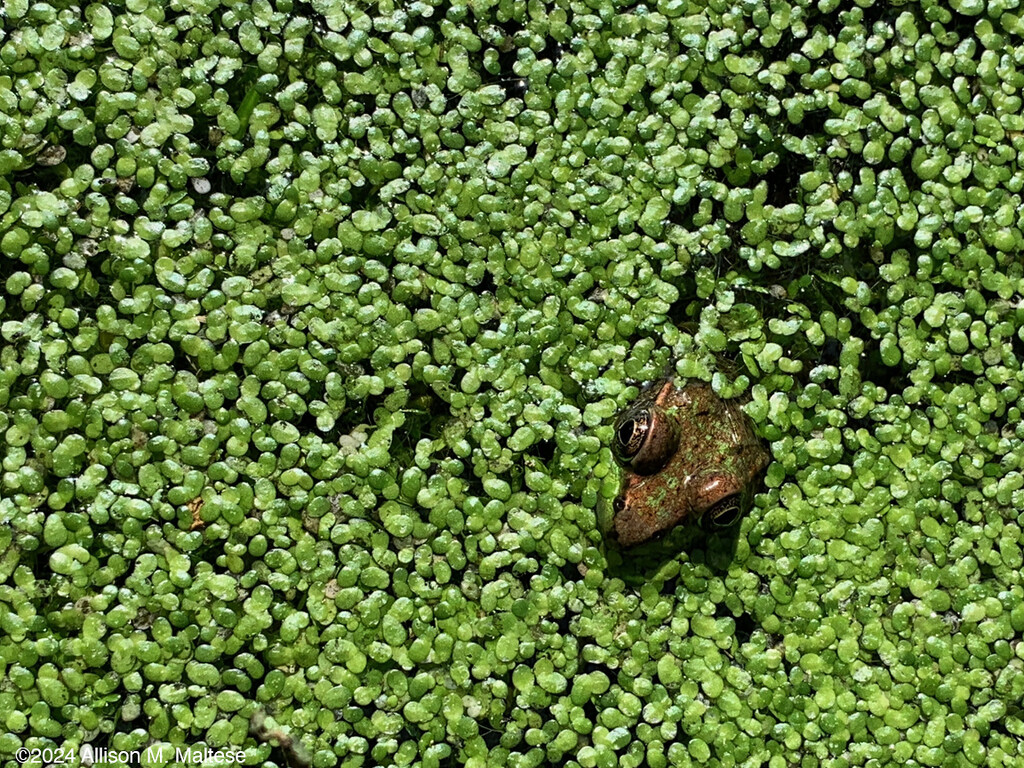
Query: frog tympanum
pixel 688 455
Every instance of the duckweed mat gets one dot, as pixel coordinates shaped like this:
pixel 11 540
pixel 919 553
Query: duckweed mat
pixel 317 316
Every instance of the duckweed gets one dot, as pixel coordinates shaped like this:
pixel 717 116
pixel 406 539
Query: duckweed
pixel 316 319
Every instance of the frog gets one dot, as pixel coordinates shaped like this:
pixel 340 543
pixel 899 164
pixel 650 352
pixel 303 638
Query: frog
pixel 687 456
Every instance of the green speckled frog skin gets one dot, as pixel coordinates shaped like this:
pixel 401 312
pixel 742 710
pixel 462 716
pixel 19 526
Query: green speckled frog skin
pixel 688 455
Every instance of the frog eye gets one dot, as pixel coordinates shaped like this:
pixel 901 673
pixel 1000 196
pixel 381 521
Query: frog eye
pixel 645 440
pixel 725 512
pixel 631 433
pixel 718 494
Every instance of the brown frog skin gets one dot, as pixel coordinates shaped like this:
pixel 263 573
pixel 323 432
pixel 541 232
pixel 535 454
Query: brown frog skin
pixel 688 455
